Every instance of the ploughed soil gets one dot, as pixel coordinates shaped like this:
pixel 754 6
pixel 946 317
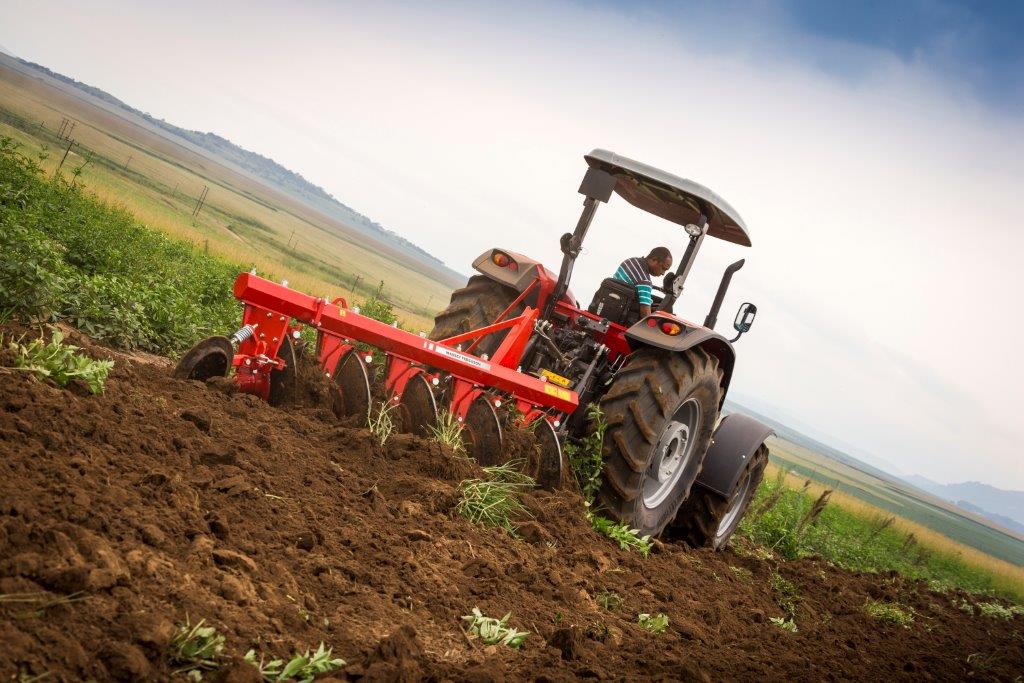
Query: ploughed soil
pixel 162 500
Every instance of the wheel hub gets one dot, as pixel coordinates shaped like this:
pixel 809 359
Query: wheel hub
pixel 672 453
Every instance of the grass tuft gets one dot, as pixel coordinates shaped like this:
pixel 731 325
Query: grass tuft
pixel 381 422
pixel 495 500
pixel 448 431
pixel 494 631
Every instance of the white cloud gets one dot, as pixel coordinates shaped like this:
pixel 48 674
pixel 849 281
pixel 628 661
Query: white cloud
pixel 884 208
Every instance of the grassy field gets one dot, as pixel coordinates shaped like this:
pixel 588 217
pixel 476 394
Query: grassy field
pixel 793 517
pixel 922 509
pixel 243 220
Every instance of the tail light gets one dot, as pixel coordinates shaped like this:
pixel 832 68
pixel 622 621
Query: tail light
pixel 503 260
pixel 671 328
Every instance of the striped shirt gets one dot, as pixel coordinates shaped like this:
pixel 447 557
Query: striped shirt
pixel 633 271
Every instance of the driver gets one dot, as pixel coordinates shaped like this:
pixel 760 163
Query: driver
pixel 638 271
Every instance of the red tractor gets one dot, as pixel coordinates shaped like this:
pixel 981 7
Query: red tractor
pixel 515 335
pixel 660 381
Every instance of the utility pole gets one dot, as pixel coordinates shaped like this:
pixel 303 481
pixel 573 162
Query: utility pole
pixel 201 202
pixel 64 158
pixel 125 167
pixel 355 283
pixel 380 288
pixel 70 130
pixel 290 239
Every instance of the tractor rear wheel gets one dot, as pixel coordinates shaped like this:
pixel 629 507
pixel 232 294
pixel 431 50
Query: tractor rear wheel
pixel 474 306
pixel 661 411
pixel 708 518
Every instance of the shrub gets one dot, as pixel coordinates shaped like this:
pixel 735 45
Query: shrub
pixel 60 363
pixel 67 255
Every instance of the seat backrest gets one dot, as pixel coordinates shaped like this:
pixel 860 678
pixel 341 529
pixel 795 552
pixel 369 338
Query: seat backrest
pixel 616 301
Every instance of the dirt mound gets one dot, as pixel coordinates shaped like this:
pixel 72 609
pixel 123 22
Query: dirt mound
pixel 122 515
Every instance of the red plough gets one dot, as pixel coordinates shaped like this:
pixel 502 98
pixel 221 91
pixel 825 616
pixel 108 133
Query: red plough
pixel 419 373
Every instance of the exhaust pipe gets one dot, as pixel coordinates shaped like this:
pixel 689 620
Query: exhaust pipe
pixel 709 322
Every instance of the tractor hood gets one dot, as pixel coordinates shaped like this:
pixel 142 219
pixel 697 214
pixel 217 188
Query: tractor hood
pixel 671 197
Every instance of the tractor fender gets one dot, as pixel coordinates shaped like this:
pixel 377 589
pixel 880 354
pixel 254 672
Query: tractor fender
pixel 641 334
pixel 519 279
pixel 733 445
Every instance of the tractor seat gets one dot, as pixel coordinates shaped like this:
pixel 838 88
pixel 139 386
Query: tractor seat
pixel 617 302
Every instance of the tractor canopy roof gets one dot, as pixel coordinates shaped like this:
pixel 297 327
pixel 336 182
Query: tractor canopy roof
pixel 671 197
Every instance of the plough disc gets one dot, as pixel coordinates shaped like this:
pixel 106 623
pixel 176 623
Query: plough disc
pixel 209 358
pixel 482 432
pixel 353 384
pixel 550 465
pixel 417 407
pixel 284 383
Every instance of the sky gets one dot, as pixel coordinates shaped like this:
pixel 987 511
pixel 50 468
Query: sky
pixel 875 150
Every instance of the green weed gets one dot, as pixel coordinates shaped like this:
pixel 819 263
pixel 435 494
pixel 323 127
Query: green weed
pixel 494 631
pixel 997 611
pixel 890 613
pixel 586 457
pixel 302 668
pixel 59 362
pixel 783 623
pixel 495 500
pixel 197 647
pixel 610 600
pixel 656 624
pixel 628 539
pixel 786 594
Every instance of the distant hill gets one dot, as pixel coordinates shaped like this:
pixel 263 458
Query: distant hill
pixel 793 436
pixel 1010 524
pixel 987 500
pixel 267 170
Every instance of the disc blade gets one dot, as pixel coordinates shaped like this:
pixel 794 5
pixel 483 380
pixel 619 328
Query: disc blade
pixel 284 383
pixel 482 433
pixel 551 464
pixel 209 358
pixel 353 384
pixel 417 407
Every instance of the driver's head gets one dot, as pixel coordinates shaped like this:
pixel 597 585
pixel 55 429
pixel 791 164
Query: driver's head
pixel 659 261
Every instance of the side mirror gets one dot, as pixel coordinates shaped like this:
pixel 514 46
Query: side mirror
pixel 744 319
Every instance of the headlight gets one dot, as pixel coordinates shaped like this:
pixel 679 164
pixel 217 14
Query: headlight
pixel 693 230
